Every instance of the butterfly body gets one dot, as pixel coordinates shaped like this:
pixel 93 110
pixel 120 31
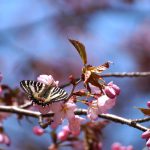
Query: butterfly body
pixel 43 94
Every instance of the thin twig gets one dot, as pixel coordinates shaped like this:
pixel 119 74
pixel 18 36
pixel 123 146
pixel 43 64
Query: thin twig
pixel 27 105
pixel 111 117
pixel 117 75
pixel 146 119
pixel 127 74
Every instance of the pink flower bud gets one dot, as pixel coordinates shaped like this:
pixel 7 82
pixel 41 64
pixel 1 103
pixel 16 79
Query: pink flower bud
pixel 146 134
pixel 6 140
pixel 116 146
pixel 1 138
pixel 148 104
pixel 148 143
pixel 38 131
pixel 110 92
pixel 116 88
pixel 62 136
pixel 66 129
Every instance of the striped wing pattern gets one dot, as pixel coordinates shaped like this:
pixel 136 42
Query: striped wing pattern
pixel 42 94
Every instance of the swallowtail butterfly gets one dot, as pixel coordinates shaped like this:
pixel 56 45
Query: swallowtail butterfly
pixel 43 94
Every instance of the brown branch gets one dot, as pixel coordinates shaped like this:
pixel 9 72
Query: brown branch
pixel 142 120
pixel 111 117
pixel 117 75
pixel 127 74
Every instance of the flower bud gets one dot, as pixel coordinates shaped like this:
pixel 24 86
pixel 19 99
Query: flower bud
pixel 110 92
pixel 38 131
pixel 146 134
pixel 148 143
pixel 62 136
pixel 148 104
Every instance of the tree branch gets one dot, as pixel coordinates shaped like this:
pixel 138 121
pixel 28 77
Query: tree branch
pixel 117 75
pixel 35 114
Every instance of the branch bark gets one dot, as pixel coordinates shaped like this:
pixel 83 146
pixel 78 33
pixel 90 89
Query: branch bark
pixel 35 114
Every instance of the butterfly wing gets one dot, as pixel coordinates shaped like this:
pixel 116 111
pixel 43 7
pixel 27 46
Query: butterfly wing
pixel 43 94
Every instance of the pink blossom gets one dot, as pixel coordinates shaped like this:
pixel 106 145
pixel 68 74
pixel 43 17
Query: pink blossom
pixel 62 135
pixel 38 131
pixel 148 143
pixel 93 110
pixel 74 125
pixel 115 87
pixel 99 106
pixel 112 90
pixel 4 139
pixel 118 146
pixel 47 79
pixel 62 110
pixel 105 103
pixel 148 104
pixel 146 135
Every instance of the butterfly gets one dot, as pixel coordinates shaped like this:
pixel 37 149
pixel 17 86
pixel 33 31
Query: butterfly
pixel 41 93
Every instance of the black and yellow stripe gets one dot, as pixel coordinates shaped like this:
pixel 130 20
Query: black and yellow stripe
pixel 43 94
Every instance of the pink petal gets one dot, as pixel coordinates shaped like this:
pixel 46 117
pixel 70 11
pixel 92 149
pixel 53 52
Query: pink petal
pixel 146 134
pixel 93 111
pixel 74 125
pixel 116 146
pixel 1 138
pixel 6 140
pixel 115 87
pixel 105 103
pixel 47 79
pixel 70 110
pixel 62 136
pixel 57 120
pixel 38 131
pixel 148 143
pixel 148 104
pixel 110 92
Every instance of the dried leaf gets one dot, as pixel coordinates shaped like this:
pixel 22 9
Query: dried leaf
pixel 145 111
pixel 81 50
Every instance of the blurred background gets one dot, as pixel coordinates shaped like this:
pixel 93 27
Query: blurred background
pixel 34 40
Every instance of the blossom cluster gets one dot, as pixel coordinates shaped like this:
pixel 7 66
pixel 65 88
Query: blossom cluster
pixel 65 110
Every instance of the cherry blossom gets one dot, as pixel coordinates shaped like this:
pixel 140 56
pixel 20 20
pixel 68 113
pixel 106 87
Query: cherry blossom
pixel 47 79
pixel 112 90
pixel 38 131
pixel 99 106
pixel 146 135
pixel 118 146
pixel 148 104
pixel 74 125
pixel 63 134
pixel 4 139
pixel 62 110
